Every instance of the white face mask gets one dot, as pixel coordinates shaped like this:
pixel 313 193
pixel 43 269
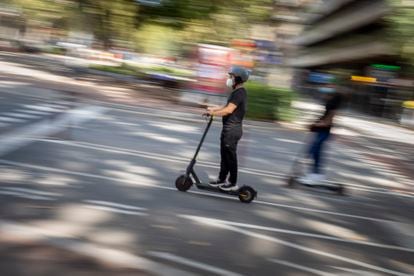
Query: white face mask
pixel 229 83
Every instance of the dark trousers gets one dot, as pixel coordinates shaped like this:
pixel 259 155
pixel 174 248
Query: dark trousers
pixel 228 149
pixel 316 149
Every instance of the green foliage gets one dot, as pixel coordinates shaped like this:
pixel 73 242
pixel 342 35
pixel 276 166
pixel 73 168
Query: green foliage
pixel 157 39
pixel 401 29
pixel 169 25
pixel 269 103
pixel 123 69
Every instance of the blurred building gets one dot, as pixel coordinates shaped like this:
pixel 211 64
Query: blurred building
pixel 342 32
pixel 346 38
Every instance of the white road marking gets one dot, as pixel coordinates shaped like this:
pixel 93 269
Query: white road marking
pixel 103 254
pixel 23 136
pixel 41 108
pixel 311 210
pixel 54 105
pixel 306 209
pixel 115 210
pixel 163 157
pixel 28 196
pixel 191 263
pixel 30 191
pixel 11 120
pixel 20 115
pixel 301 267
pixel 288 141
pixel 207 164
pixel 36 112
pixel 311 235
pixel 207 221
pixel 354 271
pixel 113 204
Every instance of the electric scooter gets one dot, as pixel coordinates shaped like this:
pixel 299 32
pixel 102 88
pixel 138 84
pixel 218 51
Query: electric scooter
pixel 184 182
pixel 298 170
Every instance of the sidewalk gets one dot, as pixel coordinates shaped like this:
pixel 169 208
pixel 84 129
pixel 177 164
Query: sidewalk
pixel 362 124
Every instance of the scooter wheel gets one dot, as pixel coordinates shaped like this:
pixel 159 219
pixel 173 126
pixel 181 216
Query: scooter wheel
pixel 183 183
pixel 247 194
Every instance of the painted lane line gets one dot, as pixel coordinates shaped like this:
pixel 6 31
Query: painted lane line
pixel 207 164
pixel 301 267
pixel 307 210
pixel 113 204
pixel 11 120
pixel 27 196
pixel 41 107
pixel 311 210
pixel 31 191
pixel 57 106
pixel 23 136
pixel 35 112
pixel 311 235
pixel 100 253
pixel 207 221
pixel 115 210
pixel 21 115
pixel 191 263
pixel 350 271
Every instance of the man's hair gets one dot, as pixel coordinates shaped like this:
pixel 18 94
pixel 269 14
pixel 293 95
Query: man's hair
pixel 238 80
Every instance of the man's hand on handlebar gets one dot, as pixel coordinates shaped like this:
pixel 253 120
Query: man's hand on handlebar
pixel 210 111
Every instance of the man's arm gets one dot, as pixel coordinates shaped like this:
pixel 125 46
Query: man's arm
pixel 327 121
pixel 215 108
pixel 224 111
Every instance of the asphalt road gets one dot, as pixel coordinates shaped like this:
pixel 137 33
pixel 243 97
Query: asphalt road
pixel 99 198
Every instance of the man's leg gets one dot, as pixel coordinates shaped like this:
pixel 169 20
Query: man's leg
pixel 233 165
pixel 317 154
pixel 224 165
pixel 230 150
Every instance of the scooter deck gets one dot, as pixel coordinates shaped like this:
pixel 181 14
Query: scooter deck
pixel 330 187
pixel 207 187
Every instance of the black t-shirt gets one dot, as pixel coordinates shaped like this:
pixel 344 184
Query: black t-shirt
pixel 239 98
pixel 332 104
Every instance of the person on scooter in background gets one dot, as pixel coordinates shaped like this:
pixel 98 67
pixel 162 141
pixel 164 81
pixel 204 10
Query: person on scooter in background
pixel 233 114
pixel 322 129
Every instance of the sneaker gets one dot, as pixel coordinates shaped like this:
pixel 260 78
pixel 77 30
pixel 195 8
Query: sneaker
pixel 217 183
pixel 312 179
pixel 229 187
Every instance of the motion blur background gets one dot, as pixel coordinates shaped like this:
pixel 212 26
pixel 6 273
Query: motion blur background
pixel 291 46
pixel 100 111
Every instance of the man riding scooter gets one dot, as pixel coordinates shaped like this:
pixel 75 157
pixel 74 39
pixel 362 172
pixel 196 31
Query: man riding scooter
pixel 233 114
pixel 322 129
